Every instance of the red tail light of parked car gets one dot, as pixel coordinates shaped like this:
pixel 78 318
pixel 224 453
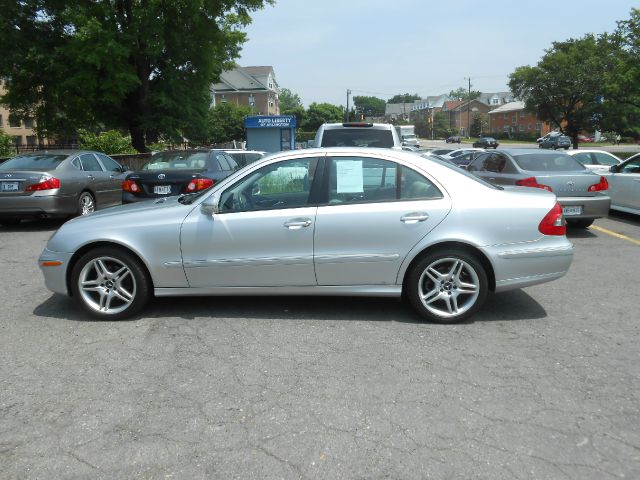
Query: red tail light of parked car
pixel 45 183
pixel 553 222
pixel 532 182
pixel 198 184
pixel 131 186
pixel 600 186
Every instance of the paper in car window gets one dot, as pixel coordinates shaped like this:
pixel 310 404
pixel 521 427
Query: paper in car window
pixel 349 176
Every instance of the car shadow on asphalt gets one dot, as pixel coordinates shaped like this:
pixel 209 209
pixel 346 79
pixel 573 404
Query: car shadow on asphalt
pixel 580 233
pixel 623 217
pixel 505 306
pixel 37 225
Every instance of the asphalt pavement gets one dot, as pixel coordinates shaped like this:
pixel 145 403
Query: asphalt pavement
pixel 543 383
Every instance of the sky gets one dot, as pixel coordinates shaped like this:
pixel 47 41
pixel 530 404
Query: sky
pixel 381 48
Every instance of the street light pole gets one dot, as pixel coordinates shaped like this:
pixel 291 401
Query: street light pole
pixel 347 112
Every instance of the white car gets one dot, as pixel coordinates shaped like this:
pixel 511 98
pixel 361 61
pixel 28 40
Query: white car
pixel 624 185
pixel 463 156
pixel 596 160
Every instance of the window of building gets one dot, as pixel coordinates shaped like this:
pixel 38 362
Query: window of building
pixel 521 128
pixel 32 140
pixel 505 116
pixel 28 122
pixel 1 121
pixel 223 99
pixel 17 140
pixel 529 126
pixel 513 119
pixel 495 101
pixel 538 126
pixel 14 122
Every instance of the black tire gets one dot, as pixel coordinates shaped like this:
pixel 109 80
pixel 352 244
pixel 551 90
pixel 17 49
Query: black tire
pixel 86 203
pixel 108 289
pixel 447 295
pixel 579 223
pixel 10 222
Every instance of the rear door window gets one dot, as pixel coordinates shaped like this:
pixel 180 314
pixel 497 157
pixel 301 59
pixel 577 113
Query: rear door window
pixel 90 163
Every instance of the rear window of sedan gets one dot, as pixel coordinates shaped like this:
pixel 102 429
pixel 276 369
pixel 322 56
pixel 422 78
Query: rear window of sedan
pixel 536 162
pixel 357 137
pixel 33 162
pixel 177 161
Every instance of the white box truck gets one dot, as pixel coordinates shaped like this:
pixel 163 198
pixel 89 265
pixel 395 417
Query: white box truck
pixel 407 134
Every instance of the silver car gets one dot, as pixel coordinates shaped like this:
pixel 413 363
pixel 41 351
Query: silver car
pixel 624 185
pixel 597 160
pixel 58 183
pixel 582 193
pixel 336 221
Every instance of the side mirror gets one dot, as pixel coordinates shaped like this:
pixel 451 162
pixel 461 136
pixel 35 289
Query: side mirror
pixel 210 206
pixel 124 168
pixel 614 168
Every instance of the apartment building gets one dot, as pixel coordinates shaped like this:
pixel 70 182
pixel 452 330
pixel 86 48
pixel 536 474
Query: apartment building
pixel 253 87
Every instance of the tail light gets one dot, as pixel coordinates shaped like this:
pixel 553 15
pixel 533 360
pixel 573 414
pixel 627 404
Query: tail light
pixel 553 222
pixel 198 184
pixel 532 182
pixel 45 183
pixel 600 186
pixel 131 186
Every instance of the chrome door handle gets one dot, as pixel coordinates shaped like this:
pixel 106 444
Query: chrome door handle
pixel 414 217
pixel 297 223
pixel 90 177
pixel 491 179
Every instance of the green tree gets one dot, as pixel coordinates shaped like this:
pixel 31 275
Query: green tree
pixel 463 94
pixel 289 100
pixel 621 92
pixel 479 124
pixel 144 66
pixel 319 113
pixel 6 144
pixel 225 122
pixel 110 142
pixel 404 98
pixel 441 127
pixel 369 106
pixel 566 85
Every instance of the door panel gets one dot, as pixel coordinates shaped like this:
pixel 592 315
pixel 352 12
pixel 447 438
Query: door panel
pixel 96 178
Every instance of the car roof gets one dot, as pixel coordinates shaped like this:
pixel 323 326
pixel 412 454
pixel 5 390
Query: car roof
pixel 59 152
pixel 520 151
pixel 589 150
pixel 332 126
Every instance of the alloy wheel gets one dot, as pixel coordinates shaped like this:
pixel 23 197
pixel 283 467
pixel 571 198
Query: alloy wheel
pixel 107 285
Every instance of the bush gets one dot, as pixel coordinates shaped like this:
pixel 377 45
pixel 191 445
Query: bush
pixel 6 145
pixel 110 142
pixel 305 136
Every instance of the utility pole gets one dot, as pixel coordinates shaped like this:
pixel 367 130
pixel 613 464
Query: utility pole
pixel 469 109
pixel 347 112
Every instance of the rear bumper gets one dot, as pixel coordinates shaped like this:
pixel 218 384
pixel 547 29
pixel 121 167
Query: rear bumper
pixel 38 206
pixel 131 198
pixel 523 265
pixel 592 207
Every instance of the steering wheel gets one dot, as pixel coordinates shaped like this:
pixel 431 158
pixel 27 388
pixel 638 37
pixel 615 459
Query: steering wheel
pixel 242 201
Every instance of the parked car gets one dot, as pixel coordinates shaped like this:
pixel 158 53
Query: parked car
pixel 357 134
pixel 339 221
pixel 176 172
pixel 463 156
pixel 453 139
pixel 596 160
pixel 441 151
pixel 486 142
pixel 581 192
pixel 554 140
pixel 585 139
pixel 245 157
pixel 624 185
pixel 58 183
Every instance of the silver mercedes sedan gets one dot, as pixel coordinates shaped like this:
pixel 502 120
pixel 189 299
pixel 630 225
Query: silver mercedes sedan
pixel 334 221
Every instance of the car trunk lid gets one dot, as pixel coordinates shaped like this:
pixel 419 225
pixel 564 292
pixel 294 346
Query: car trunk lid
pixel 17 182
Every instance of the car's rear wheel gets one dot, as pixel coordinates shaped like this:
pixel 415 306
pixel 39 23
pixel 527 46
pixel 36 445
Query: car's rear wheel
pixel 579 223
pixel 110 283
pixel 447 286
pixel 86 203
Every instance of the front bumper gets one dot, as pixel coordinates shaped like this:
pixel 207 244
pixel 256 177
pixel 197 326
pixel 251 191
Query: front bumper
pixel 55 276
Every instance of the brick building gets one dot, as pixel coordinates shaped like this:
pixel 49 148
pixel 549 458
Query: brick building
pixel 512 119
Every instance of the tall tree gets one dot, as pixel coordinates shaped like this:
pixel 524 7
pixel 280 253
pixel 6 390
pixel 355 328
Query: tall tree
pixel 369 106
pixel 289 100
pixel 621 99
pixel 464 94
pixel 319 113
pixel 566 86
pixel 141 65
pixel 404 98
pixel 225 122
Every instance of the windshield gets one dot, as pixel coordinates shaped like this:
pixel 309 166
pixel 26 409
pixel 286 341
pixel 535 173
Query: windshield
pixel 42 161
pixel 560 162
pixel 357 137
pixel 177 161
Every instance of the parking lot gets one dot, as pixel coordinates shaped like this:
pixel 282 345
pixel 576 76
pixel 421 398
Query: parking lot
pixel 543 383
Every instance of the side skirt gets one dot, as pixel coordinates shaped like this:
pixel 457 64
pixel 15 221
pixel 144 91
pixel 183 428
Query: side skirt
pixel 342 290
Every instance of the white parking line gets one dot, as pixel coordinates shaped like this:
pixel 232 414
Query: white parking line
pixel 615 234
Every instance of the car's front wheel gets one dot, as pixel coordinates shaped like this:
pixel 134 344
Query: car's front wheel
pixel 110 283
pixel 447 286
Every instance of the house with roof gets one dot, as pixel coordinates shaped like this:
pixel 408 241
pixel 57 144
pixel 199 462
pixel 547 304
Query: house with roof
pixel 496 99
pixel 512 118
pixel 254 87
pixel 461 113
